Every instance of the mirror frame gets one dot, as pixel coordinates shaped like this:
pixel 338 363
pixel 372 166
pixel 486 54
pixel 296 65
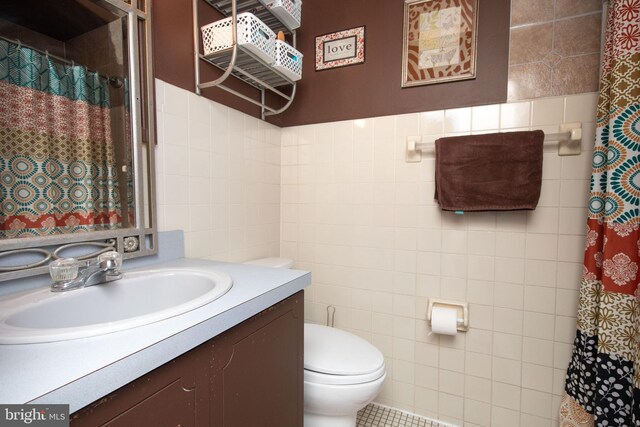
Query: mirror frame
pixel 131 242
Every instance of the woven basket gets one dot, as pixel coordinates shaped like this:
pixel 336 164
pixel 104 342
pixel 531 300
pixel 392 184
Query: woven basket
pixel 253 35
pixel 288 61
pixel 288 11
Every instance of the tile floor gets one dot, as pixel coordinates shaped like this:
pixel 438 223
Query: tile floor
pixel 374 415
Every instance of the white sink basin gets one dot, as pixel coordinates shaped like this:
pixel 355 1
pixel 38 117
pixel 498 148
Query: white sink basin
pixel 139 298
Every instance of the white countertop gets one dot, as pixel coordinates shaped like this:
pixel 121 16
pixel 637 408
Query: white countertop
pixel 78 372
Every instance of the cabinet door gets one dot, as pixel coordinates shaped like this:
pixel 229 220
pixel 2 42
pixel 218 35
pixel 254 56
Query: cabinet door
pixel 175 394
pixel 257 370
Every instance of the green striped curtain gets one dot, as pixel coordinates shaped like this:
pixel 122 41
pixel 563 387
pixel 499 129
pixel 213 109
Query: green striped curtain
pixel 57 164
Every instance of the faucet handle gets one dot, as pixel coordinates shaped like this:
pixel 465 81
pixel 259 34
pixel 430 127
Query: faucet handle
pixel 111 260
pixel 64 269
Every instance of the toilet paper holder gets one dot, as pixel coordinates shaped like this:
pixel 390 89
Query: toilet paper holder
pixel 461 307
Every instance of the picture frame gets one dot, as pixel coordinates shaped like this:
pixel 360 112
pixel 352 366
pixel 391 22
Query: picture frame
pixel 439 41
pixel 340 49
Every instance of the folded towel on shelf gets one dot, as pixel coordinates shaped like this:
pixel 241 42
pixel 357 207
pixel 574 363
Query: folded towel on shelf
pixel 490 172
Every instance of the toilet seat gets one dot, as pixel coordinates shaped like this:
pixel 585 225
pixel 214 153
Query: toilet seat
pixel 334 356
pixel 321 378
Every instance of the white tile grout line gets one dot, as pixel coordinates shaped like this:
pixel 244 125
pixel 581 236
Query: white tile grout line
pixel 376 413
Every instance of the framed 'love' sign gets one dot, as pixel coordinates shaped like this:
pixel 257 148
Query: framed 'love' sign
pixel 340 49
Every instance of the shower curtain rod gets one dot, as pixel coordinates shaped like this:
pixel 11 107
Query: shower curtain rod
pixel 56 57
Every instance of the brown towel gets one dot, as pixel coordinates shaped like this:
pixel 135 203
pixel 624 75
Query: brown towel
pixel 491 172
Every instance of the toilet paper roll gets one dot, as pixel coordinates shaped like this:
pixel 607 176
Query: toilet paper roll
pixel 444 320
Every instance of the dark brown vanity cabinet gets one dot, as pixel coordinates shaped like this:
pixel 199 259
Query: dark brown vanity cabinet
pixel 175 394
pixel 248 376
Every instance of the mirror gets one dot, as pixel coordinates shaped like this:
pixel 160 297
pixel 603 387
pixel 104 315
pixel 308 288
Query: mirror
pixel 76 132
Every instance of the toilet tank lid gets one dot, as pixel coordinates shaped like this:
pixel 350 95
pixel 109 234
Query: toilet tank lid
pixel 272 262
pixel 337 352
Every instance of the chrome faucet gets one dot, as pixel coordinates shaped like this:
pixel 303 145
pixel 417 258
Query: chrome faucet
pixel 69 274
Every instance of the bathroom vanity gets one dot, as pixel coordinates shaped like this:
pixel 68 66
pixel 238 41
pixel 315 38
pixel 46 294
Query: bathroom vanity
pixel 236 361
pixel 250 375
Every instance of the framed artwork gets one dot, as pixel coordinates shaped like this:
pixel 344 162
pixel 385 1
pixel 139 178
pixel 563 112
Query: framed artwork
pixel 340 49
pixel 439 43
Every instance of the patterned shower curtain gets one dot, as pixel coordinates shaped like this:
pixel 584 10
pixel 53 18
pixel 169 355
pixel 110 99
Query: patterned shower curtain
pixel 57 164
pixel 603 380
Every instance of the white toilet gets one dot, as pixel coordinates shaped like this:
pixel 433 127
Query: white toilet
pixel 342 372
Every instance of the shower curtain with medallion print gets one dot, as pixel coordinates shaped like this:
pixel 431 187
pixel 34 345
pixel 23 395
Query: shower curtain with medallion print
pixel 603 379
pixel 57 164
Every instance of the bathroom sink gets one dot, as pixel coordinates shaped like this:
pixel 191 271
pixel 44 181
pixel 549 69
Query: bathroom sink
pixel 139 298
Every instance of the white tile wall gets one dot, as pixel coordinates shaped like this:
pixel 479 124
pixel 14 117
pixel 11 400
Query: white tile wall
pixel 365 223
pixel 218 177
pixel 341 201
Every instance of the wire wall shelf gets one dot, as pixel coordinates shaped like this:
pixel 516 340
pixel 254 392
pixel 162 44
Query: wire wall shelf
pixel 240 63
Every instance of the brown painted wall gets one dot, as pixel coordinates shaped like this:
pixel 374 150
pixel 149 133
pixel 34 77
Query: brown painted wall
pixel 374 88
pixel 368 90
